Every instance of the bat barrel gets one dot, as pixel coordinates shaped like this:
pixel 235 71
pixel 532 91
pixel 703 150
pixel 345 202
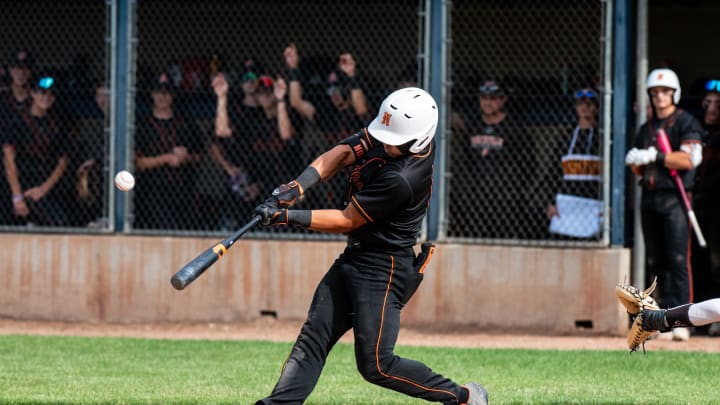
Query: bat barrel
pixel 194 269
pixel 198 265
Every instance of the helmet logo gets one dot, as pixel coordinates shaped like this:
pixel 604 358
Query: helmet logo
pixel 660 76
pixel 386 119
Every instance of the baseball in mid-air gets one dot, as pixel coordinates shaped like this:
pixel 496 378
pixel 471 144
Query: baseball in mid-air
pixel 124 180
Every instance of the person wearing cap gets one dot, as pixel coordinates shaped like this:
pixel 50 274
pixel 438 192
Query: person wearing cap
pixel 13 100
pixel 17 96
pixel 577 172
pixel 706 199
pixel 92 160
pixel 236 125
pixel 168 148
pixel 491 172
pixel 36 154
pixel 665 226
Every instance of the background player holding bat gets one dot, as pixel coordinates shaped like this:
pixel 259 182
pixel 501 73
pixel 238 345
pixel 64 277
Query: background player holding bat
pixel 370 282
pixel 664 218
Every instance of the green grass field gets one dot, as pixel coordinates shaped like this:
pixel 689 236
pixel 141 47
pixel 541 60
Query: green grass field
pixel 81 370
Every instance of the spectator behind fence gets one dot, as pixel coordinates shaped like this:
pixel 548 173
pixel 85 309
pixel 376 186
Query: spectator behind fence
pixel 13 100
pixel 167 151
pixel 36 156
pixel 664 219
pixel 706 196
pixel 93 161
pixel 275 143
pixel 490 176
pixel 236 125
pixel 343 111
pixel 576 175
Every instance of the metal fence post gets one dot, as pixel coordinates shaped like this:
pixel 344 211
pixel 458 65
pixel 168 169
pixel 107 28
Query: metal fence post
pixel 437 36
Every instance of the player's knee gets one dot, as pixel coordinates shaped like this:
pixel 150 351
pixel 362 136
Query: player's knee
pixel 372 368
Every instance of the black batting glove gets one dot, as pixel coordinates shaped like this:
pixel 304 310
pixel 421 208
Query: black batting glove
pixel 271 214
pixel 288 194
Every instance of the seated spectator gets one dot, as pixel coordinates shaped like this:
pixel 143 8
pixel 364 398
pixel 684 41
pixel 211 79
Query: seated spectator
pixel 349 105
pixel 232 147
pixel 343 111
pixel 492 159
pixel 36 156
pixel 275 144
pixel 577 172
pixel 706 200
pixel 167 151
pixel 92 161
pixel 14 98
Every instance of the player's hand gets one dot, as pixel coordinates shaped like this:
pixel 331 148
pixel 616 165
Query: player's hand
pixel 220 85
pixel 640 157
pixel 292 60
pixel 272 214
pixel 286 195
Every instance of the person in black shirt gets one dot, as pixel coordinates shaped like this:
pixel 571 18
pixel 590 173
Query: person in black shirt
pixel 367 286
pixel 664 220
pixel 167 150
pixel 492 160
pixel 706 196
pixel 35 159
pixel 14 99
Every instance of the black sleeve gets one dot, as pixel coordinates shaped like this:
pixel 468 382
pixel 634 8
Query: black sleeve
pixel 690 130
pixel 380 198
pixel 360 143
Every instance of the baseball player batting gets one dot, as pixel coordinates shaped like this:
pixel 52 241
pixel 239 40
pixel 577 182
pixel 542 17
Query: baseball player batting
pixel 377 273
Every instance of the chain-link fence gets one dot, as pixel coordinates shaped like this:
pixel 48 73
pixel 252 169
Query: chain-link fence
pixel 525 146
pixel 230 99
pixel 53 104
pixel 289 79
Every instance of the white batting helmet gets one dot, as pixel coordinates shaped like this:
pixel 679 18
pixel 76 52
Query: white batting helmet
pixel 665 78
pixel 406 115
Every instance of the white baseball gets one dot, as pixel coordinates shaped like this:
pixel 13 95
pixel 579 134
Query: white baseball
pixel 124 180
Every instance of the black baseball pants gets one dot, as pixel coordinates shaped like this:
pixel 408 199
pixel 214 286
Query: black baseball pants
pixel 363 291
pixel 666 231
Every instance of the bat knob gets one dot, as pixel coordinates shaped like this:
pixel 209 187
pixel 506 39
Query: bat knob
pixel 178 283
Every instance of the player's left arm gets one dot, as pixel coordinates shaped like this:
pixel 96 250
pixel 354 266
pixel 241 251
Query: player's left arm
pixel 690 154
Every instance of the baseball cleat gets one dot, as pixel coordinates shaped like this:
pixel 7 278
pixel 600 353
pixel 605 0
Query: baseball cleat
pixel 477 395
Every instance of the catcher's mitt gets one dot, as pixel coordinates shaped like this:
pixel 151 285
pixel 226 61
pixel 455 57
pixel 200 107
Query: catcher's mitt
pixel 636 301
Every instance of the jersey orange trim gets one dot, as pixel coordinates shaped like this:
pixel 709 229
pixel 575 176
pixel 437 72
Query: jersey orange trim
pixel 368 138
pixel 360 209
pixel 377 343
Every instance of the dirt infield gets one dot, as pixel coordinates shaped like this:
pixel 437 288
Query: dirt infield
pixel 286 331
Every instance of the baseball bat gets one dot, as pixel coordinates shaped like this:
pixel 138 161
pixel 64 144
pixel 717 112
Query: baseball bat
pixel 664 147
pixel 188 273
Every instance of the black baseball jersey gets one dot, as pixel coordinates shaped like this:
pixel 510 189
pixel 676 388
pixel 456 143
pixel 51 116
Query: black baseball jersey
pixel 392 194
pixel 681 127
pixel 39 143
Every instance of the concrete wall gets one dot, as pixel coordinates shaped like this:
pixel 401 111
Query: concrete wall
pixel 127 279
